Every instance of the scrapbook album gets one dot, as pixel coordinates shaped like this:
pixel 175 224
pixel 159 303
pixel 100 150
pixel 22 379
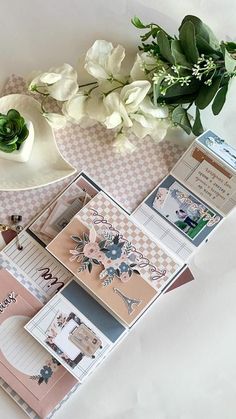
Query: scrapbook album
pixel 87 271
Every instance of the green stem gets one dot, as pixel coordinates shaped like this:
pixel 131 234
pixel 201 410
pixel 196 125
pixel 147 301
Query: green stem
pixel 112 90
pixel 42 104
pixel 88 84
pixel 89 91
pixel 41 93
pixel 118 81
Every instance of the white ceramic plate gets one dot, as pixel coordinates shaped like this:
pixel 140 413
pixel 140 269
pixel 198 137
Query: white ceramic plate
pixel 46 164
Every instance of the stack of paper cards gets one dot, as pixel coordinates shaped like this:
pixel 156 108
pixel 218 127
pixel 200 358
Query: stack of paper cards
pixel 63 209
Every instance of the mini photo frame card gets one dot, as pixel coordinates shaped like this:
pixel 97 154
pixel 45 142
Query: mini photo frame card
pixel 208 168
pixel 76 330
pixel 118 263
pixel 175 216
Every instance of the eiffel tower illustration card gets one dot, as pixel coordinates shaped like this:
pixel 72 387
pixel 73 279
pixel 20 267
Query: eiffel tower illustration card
pixel 115 260
pixel 35 375
pixel 76 330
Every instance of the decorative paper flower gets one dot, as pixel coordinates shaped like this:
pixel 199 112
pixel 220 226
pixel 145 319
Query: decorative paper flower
pixel 60 83
pixel 46 373
pixel 111 271
pixel 114 251
pixel 103 61
pixel 124 267
pixel 124 277
pixel 91 250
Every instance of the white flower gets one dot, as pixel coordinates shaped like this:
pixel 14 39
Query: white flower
pixel 120 105
pixel 122 144
pixel 150 120
pixel 147 107
pixel 134 93
pixel 143 64
pixel 117 113
pixel 148 125
pixel 56 120
pixel 74 109
pixel 60 83
pixel 103 61
pixel 87 110
pixel 95 107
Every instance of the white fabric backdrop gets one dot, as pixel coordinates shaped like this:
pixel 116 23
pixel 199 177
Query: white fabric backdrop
pixel 179 362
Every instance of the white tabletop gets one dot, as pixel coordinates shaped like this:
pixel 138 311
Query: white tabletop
pixel 179 361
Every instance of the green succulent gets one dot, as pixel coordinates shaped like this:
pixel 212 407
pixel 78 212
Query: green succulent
pixel 193 68
pixel 13 131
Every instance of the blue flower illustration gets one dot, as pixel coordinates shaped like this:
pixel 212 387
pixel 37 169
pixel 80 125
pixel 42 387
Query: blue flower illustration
pixel 46 373
pixel 111 271
pixel 114 252
pixel 123 267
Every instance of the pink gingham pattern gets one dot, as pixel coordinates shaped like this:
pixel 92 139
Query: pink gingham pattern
pixel 158 256
pixel 128 178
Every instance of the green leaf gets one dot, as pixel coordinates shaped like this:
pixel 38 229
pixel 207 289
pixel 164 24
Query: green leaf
pixel 11 140
pixel 203 31
pixel 205 48
pixel 180 117
pixel 230 46
pixel 95 261
pixel 13 114
pixel 116 239
pixel 197 126
pixel 188 41
pixel 230 62
pixel 178 90
pixel 156 89
pixel 102 244
pixel 164 45
pixel 135 271
pixel 178 54
pixel 207 93
pixel 7 148
pixel 23 134
pixel 137 23
pixel 147 35
pixel 182 99
pixel 219 99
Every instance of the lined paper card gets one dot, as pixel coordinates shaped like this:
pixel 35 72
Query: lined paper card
pixel 42 269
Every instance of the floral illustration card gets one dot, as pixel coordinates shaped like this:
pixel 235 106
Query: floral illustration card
pixel 114 259
pixel 35 375
pixel 76 330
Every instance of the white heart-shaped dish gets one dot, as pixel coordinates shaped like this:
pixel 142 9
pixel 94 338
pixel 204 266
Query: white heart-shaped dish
pixel 46 164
